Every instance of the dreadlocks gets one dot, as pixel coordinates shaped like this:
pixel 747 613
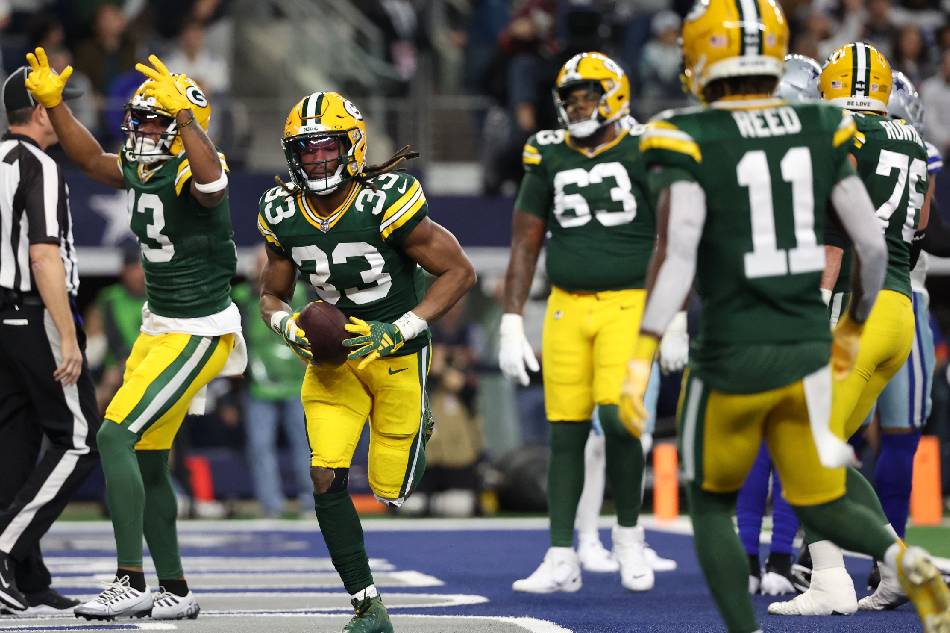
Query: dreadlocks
pixel 397 159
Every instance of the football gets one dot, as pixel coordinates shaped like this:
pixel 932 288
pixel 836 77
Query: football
pixel 324 326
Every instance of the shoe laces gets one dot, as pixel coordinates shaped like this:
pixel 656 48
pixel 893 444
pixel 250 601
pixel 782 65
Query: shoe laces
pixel 114 590
pixel 166 598
pixel 361 606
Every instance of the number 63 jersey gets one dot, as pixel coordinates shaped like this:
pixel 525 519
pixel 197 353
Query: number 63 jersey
pixel 594 203
pixel 353 258
pixel 767 169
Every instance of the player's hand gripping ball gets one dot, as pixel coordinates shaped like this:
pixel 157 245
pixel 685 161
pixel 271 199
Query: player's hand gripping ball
pixel 324 326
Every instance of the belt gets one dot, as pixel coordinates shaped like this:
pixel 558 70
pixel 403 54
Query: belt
pixel 14 299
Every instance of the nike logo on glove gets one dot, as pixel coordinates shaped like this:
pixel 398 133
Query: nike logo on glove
pixel 396 371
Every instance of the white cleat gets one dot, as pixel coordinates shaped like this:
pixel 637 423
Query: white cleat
pixel 596 558
pixel 775 584
pixel 831 593
pixel 636 574
pixel 117 600
pixel 657 562
pixel 888 594
pixel 559 571
pixel 168 606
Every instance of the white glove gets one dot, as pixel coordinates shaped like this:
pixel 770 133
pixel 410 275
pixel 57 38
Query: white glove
pixel 514 350
pixel 674 346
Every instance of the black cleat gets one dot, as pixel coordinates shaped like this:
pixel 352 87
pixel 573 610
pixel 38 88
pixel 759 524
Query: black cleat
pixel 10 595
pixel 49 598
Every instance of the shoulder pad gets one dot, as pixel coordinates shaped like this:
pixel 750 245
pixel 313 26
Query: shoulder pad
pixel 663 134
pixel 547 137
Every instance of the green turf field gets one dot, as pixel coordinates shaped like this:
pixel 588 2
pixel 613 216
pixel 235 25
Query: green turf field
pixel 936 540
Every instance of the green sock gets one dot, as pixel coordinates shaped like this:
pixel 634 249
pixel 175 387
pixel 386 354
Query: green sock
pixel 161 511
pixel 848 525
pixel 721 556
pixel 624 465
pixel 565 478
pixel 343 534
pixel 860 493
pixel 125 491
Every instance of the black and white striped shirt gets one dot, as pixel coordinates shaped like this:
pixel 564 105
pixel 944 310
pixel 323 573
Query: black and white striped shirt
pixel 34 209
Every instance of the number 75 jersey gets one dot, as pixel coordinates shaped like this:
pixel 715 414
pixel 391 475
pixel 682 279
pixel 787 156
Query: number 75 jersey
pixel 353 258
pixel 595 207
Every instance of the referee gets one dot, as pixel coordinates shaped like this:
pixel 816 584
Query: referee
pixel 45 387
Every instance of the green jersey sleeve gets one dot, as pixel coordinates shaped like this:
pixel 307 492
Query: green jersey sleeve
pixel 671 154
pixel 404 206
pixel 184 173
pixel 275 205
pixel 535 194
pixel 843 140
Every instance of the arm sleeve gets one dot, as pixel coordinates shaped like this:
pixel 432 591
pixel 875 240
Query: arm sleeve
pixel 675 276
pixel 835 235
pixel 856 212
pixel 936 239
pixel 45 200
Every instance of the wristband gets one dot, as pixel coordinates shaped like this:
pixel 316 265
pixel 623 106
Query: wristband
pixel 410 326
pixel 214 186
pixel 826 295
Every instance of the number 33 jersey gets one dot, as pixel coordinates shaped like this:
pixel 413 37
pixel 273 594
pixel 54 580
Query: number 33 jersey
pixel 353 257
pixel 595 206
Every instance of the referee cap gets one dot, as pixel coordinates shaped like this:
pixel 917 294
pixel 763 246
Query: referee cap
pixel 16 96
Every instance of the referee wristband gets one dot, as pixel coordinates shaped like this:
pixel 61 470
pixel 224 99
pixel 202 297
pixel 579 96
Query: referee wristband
pixel 410 326
pixel 215 185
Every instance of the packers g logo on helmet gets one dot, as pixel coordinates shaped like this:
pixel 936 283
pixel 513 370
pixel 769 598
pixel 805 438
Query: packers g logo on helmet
pixel 315 123
pixel 733 38
pixel 857 77
pixel 144 148
pixel 606 77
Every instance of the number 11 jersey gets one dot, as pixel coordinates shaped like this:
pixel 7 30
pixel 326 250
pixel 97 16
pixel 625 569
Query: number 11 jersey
pixel 595 206
pixel 353 258
pixel 767 168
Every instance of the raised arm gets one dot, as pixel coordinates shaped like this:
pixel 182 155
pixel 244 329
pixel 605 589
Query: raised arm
pixel 209 181
pixel 82 148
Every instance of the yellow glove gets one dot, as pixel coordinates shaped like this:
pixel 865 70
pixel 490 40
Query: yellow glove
pixel 162 87
pixel 845 342
pixel 633 412
pixel 46 85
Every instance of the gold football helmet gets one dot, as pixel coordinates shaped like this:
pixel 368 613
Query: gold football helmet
pixel 315 122
pixel 733 38
pixel 606 77
pixel 141 146
pixel 857 77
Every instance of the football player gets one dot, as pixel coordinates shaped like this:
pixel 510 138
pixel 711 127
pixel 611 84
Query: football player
pixel 362 237
pixel 743 187
pixel 191 331
pixel 799 83
pixel 904 405
pixel 891 160
pixel 585 184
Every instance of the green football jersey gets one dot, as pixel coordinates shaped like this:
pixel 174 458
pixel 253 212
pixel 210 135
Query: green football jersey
pixel 892 163
pixel 767 169
pixel 353 258
pixel 187 249
pixel 595 207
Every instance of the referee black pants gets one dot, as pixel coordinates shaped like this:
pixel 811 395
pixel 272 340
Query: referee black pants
pixel 33 489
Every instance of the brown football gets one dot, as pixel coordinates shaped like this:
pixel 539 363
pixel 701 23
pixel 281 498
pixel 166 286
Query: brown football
pixel 324 326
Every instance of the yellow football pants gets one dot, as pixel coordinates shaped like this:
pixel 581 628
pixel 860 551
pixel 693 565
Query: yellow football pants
pixel 720 435
pixel 162 375
pixel 588 339
pixel 391 393
pixel 885 345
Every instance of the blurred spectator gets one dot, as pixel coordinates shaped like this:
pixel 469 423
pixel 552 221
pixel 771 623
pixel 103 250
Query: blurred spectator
pixel 110 50
pixel 911 55
pixel 487 21
pixel 935 96
pixel 191 57
pixel 113 324
pixel 879 27
pixel 46 30
pixel 169 17
pixel 404 36
pixel 660 64
pixel 271 398
pixel 451 484
pixel 83 107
